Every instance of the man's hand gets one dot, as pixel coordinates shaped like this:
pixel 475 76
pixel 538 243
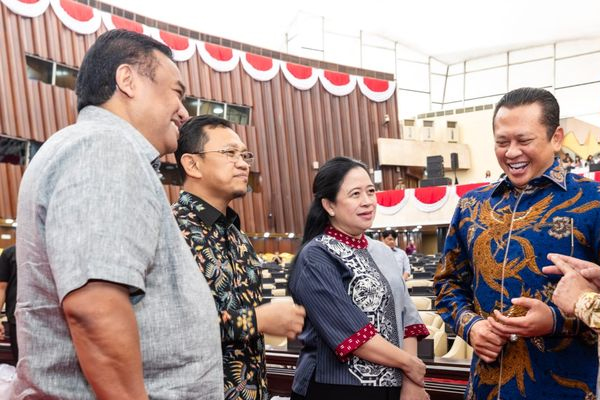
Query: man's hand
pixel 2 333
pixel 485 342
pixel 587 269
pixel 280 318
pixel 537 322
pixel 573 283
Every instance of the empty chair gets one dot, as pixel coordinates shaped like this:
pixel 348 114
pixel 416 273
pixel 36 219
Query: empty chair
pixel 422 275
pixel 421 303
pixel 419 282
pixel 459 350
pixel 440 343
pixel 432 320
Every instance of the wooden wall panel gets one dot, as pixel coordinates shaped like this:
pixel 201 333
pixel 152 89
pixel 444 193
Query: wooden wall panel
pixel 290 129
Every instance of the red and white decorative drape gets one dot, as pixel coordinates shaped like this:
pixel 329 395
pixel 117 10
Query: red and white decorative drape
pixel 85 20
pixel 427 199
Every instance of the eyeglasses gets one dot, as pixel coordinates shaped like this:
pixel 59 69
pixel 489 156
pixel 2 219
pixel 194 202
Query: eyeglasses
pixel 233 155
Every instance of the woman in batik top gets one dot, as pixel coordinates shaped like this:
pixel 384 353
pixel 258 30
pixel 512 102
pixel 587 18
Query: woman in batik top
pixel 350 337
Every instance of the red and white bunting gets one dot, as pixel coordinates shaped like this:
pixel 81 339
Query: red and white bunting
pixel 392 201
pixel 85 20
pixel 115 22
pixel 300 76
pixel 27 8
pixel 430 199
pixel 78 17
pixel 219 58
pixel 376 89
pixel 183 48
pixel 337 83
pixel 260 68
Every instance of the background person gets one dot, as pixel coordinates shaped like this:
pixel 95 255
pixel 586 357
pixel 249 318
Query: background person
pixel 390 237
pixel 8 296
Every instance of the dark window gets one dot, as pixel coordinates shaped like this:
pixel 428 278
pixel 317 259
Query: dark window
pixel 169 174
pixel 238 114
pixel 39 70
pixel 65 77
pixel 212 107
pixel 191 104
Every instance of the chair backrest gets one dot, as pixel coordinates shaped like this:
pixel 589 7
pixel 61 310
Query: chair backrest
pixel 419 282
pixel 421 303
pixel 460 350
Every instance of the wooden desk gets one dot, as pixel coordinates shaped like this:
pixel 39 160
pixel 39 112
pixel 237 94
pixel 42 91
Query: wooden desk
pixel 445 380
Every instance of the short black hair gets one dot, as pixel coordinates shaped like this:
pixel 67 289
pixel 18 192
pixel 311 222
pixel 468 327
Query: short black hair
pixel 193 136
pixel 389 232
pixel 96 79
pixel 525 96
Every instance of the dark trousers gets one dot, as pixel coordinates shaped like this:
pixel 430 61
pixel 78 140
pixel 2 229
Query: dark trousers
pixel 326 391
pixel 14 348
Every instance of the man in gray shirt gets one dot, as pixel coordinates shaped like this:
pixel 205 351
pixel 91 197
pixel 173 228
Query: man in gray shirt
pixel 110 302
pixel 389 237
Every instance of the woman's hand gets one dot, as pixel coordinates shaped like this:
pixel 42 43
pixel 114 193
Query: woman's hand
pixel 414 369
pixel 412 391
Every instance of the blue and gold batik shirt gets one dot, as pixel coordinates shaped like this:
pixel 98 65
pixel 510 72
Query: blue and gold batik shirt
pixel 556 212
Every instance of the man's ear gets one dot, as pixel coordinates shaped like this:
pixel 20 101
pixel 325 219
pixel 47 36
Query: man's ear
pixel 557 139
pixel 125 78
pixel 190 166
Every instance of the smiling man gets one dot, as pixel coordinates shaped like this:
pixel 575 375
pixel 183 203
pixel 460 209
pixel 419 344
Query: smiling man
pixel 215 165
pixel 489 284
pixel 109 303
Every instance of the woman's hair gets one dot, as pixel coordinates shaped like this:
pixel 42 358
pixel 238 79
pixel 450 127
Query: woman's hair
pixel 326 186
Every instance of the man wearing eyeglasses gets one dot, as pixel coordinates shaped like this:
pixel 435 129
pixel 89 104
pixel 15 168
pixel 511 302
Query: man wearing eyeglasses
pixel 215 165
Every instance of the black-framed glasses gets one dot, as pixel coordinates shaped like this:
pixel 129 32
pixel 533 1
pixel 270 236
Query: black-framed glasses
pixel 233 155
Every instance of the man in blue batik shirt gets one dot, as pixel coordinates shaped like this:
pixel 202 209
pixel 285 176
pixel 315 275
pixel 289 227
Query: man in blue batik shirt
pixel 489 285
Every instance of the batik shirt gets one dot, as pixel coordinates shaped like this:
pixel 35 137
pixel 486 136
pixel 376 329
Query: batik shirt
pixel 347 301
pixel 232 269
pixel 556 212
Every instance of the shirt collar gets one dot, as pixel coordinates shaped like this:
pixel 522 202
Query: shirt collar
pixel 94 113
pixel 556 174
pixel 360 243
pixel 207 213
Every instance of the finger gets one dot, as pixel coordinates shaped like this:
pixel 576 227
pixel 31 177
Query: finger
pixel 590 273
pixel 299 310
pixel 486 358
pixel 572 262
pixel 502 321
pixel 526 302
pixel 551 270
pixel 501 332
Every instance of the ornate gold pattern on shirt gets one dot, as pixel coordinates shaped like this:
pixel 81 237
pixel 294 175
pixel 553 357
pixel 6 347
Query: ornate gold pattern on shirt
pixel 483 269
pixel 587 309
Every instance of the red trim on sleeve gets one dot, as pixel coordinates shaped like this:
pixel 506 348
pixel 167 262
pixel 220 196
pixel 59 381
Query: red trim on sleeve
pixel 418 330
pixel 352 343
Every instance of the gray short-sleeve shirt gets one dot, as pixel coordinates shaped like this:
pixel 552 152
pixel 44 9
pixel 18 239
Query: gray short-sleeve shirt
pixel 91 207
